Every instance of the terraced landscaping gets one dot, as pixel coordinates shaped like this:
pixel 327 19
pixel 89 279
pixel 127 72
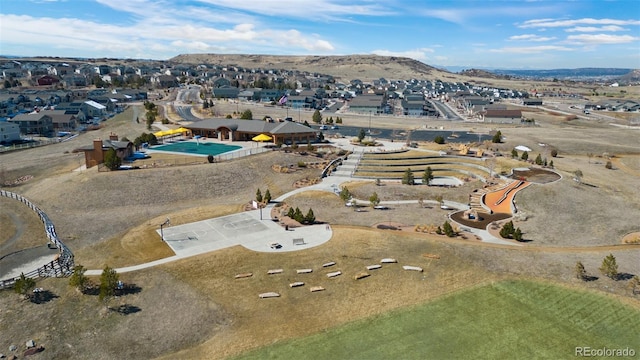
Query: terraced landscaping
pixel 393 165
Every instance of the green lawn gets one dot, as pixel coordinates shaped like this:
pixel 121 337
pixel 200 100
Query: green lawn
pixel 506 320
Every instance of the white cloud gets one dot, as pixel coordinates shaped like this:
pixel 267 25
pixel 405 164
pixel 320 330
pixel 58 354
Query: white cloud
pixel 546 23
pixel 304 8
pixel 595 29
pixel 596 39
pixel 530 37
pixel 531 49
pixel 416 54
pixel 461 14
pixel 155 37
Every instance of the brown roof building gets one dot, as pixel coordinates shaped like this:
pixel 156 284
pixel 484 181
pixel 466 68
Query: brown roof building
pixel 94 154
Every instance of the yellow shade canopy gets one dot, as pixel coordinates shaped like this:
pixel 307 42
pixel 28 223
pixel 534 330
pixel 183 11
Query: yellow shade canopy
pixel 262 137
pixel 161 133
pixel 180 130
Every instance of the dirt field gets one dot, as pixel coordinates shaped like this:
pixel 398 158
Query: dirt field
pixel 195 308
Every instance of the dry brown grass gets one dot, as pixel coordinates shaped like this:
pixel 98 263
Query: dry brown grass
pixel 259 321
pixel 20 227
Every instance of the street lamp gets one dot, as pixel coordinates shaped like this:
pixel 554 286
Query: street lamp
pixel 370 121
pixel 165 223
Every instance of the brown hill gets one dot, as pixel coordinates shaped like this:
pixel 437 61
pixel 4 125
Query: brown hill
pixel 631 78
pixel 344 68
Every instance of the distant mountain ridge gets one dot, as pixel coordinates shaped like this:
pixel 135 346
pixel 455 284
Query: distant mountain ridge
pixel 570 74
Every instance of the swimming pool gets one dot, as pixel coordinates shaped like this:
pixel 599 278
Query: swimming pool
pixel 194 148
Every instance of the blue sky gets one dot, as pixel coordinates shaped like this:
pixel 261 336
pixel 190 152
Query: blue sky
pixel 488 34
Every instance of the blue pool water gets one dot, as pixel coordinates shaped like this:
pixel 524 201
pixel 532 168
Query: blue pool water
pixel 202 148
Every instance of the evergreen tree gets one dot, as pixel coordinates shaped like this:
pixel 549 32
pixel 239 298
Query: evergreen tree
pixel 108 283
pixel 580 272
pixel 374 199
pixel 525 156
pixel 361 135
pixel 427 177
pixel 310 218
pixel 291 213
pixel 338 120
pixel 507 230
pixel 497 137
pixel 298 216
pixel 408 178
pixel 538 160
pixel 246 115
pixel 267 197
pixel 517 234
pixel 448 230
pixel 551 164
pixel 24 286
pixel 78 280
pixel 111 159
pixel 514 153
pixel 610 267
pixel 259 196
pixel 317 117
pixel 345 194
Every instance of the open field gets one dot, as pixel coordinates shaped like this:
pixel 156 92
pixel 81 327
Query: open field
pixel 195 308
pixel 485 322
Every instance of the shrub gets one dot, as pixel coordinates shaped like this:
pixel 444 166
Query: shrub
pixel 438 140
pixel 497 137
pixel 608 165
pixel 554 153
pixel 302 164
pixel 210 158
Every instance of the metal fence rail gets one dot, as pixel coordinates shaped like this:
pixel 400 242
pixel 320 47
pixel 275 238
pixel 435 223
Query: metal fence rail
pixel 62 265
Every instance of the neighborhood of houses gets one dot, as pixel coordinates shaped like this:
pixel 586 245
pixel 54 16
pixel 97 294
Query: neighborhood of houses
pixel 45 98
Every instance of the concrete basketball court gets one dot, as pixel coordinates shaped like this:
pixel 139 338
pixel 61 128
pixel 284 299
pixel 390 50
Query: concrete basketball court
pixel 245 229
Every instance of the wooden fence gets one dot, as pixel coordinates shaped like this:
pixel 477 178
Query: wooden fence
pixel 62 265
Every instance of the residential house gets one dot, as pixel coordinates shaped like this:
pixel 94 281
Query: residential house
pixel 164 81
pixel 47 80
pixel 62 119
pixel 225 92
pixel 94 154
pixel 374 104
pixel 93 109
pixel 9 132
pixel 34 123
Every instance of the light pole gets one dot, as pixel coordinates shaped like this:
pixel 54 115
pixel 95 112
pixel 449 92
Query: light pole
pixel 165 223
pixel 370 121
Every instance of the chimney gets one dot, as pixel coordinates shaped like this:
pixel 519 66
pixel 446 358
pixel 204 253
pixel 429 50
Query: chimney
pixel 113 137
pixel 98 155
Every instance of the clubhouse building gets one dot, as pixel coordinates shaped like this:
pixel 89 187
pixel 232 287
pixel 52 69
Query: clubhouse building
pixel 286 132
